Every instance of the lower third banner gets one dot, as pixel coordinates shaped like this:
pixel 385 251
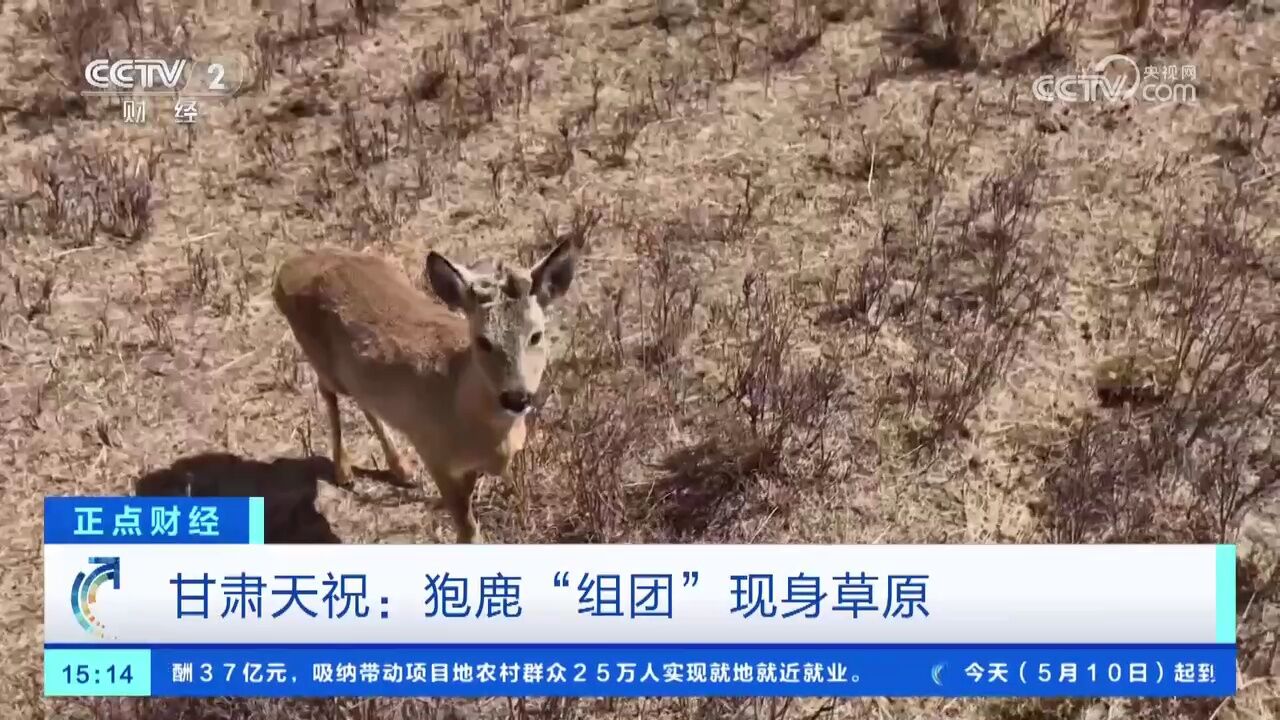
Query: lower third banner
pixel 224 615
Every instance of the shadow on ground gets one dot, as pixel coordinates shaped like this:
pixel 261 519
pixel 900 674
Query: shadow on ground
pixel 289 487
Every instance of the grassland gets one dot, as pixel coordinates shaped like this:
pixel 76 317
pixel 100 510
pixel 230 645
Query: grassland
pixel 847 281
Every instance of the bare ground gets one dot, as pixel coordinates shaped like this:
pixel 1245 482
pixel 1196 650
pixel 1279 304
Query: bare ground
pixel 848 281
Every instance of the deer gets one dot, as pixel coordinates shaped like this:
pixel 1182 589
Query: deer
pixel 455 371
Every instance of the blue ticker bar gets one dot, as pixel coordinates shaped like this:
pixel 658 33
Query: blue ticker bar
pixel 947 671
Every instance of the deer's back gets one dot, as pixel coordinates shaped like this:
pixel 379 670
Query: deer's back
pixel 363 326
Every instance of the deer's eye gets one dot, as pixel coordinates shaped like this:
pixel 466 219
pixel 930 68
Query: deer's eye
pixel 535 338
pixel 483 343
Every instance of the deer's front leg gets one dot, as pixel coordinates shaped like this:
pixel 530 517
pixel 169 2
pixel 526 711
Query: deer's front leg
pixel 456 493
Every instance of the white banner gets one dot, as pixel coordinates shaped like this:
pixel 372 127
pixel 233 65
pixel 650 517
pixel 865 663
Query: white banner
pixel 631 594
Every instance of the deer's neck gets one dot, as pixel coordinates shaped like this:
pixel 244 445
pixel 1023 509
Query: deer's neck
pixel 477 434
pixel 476 404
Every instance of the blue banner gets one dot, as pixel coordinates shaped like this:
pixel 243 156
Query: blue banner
pixel 647 671
pixel 153 520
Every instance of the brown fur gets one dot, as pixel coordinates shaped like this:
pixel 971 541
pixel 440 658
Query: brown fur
pixel 407 359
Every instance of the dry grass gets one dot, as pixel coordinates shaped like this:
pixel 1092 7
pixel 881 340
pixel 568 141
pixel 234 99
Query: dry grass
pixel 847 281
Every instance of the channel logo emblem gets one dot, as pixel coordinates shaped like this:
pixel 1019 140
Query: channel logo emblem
pixel 84 592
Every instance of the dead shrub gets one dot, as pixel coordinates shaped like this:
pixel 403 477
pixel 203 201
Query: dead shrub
pixel 774 424
pixel 787 404
pixel 1054 39
pixel 366 140
pixel 895 278
pixel 1093 489
pixel 1189 468
pixel 86 192
pixel 940 33
pixel 789 38
pixel 671 296
pixel 38 301
pixel 984 288
pixel 435 67
pixel 1271 101
pixel 584 219
pixel 1134 478
pixel 1241 135
pixel 367 13
pixel 204 273
pixel 79 31
pixel 1208 283
pixel 599 435
pixel 618 140
pixel 158 320
pixel 265 58
pixel 957 35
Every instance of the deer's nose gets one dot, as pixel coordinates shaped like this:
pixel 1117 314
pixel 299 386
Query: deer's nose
pixel 515 401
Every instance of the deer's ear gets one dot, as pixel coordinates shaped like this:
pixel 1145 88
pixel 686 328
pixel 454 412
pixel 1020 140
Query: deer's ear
pixel 553 274
pixel 449 281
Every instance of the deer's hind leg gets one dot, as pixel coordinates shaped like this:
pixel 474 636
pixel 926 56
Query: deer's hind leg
pixel 341 464
pixel 388 448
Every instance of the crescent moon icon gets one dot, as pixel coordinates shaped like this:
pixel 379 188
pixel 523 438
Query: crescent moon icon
pixel 937 674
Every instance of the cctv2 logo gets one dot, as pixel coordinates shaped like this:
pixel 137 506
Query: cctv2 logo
pixel 152 75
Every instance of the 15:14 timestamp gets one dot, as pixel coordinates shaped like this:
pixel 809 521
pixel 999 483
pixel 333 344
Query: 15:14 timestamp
pixel 88 674
pixel 97 672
